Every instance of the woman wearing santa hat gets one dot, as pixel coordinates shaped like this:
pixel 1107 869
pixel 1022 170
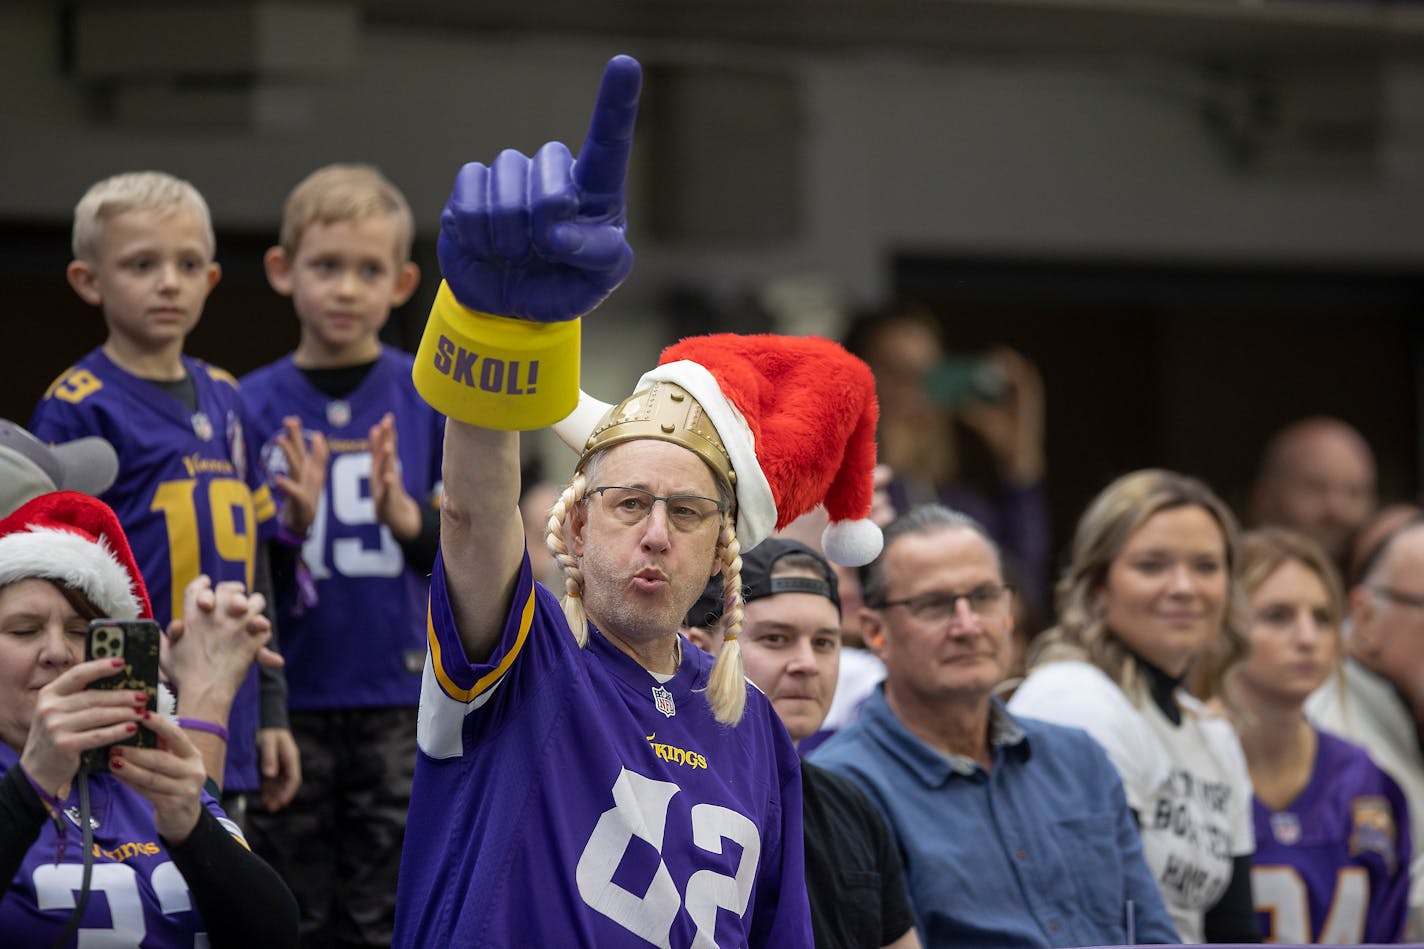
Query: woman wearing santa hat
pixel 168 862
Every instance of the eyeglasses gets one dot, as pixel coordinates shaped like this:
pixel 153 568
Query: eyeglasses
pixel 1395 596
pixel 685 512
pixel 986 601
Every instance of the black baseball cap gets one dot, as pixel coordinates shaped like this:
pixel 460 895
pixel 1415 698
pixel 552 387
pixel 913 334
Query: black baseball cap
pixel 758 582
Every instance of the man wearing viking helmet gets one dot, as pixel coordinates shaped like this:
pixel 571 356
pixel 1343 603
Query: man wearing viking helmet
pixel 586 777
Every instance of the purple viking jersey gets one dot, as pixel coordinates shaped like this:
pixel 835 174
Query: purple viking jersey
pixel 186 495
pixel 1334 868
pixel 564 797
pixel 137 896
pixel 362 645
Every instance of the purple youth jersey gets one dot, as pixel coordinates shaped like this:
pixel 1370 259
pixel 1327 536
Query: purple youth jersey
pixel 186 494
pixel 362 645
pixel 1334 866
pixel 137 896
pixel 564 797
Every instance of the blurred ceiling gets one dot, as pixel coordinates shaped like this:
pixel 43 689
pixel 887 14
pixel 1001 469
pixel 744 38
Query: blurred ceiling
pixel 1210 29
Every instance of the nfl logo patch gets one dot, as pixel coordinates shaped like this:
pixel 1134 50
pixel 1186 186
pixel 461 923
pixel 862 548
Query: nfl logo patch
pixel 662 698
pixel 1286 827
pixel 202 426
pixel 338 413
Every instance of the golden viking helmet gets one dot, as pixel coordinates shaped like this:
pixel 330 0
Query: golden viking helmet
pixel 667 412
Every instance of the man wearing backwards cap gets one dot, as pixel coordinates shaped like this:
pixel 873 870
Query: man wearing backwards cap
pixel 29 467
pixel 585 778
pixel 791 643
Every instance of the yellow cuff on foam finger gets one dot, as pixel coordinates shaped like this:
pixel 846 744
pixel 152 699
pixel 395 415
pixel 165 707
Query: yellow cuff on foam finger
pixel 496 371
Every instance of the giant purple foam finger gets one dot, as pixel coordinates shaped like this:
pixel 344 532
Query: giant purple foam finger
pixel 602 164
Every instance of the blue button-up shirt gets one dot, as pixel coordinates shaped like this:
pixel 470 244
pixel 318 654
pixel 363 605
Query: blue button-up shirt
pixel 1039 851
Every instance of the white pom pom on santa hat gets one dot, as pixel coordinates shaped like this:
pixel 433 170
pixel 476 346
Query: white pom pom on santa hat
pixel 852 543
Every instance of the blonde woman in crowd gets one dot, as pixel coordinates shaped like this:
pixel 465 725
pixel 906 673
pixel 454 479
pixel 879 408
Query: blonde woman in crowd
pixel 1149 589
pixel 1332 829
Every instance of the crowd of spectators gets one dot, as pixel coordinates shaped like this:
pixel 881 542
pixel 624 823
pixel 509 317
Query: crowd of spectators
pixel 1191 734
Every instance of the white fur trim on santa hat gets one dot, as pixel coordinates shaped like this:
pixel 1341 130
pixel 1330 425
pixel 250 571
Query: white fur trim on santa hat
pixel 73 561
pixel 756 506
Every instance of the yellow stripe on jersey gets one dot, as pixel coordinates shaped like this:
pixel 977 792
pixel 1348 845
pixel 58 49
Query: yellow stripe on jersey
pixel 263 507
pixel 495 674
pixel 222 375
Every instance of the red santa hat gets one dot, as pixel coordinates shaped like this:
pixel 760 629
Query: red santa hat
pixel 795 417
pixel 74 540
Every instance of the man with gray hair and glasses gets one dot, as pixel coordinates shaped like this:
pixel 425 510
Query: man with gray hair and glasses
pixel 1014 832
pixel 1378 699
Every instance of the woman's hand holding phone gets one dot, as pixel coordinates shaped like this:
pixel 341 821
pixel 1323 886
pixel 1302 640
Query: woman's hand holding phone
pixel 71 718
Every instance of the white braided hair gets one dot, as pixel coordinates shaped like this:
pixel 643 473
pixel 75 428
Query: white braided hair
pixel 727 687
pixel 554 539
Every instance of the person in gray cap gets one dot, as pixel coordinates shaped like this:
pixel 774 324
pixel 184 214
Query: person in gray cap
pixel 791 647
pixel 29 467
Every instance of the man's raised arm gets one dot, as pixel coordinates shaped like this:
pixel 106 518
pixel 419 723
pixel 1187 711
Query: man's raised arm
pixel 527 246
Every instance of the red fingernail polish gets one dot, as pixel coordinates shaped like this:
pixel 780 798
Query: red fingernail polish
pixel 131 727
pixel 116 762
pixel 147 714
pixel 116 663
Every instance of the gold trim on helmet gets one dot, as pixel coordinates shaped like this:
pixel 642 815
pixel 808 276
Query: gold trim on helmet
pixel 666 412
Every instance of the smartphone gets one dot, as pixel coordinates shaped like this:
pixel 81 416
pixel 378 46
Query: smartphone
pixel 959 380
pixel 136 642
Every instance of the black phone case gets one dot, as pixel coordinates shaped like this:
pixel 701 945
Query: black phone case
pixel 137 642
